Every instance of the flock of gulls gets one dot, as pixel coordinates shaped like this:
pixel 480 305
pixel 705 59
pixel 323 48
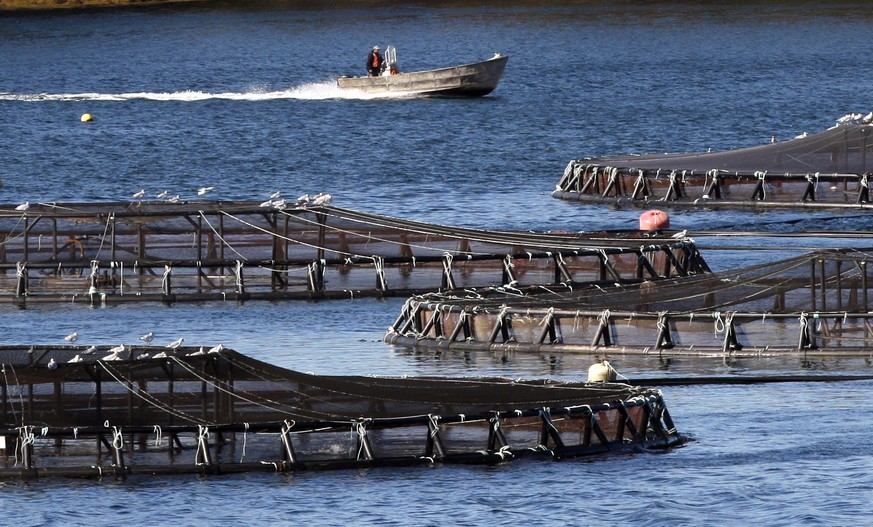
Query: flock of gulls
pixel 275 201
pixel 116 351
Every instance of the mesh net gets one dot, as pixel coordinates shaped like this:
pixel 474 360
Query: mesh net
pixel 818 302
pixel 844 148
pixel 229 387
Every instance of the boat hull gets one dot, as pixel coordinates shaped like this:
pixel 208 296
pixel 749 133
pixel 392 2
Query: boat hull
pixel 468 80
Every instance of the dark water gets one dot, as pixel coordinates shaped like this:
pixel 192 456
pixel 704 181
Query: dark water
pixel 243 99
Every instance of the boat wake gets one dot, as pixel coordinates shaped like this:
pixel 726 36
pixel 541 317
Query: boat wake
pixel 312 92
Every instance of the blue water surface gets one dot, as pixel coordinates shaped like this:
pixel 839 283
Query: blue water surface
pixel 242 98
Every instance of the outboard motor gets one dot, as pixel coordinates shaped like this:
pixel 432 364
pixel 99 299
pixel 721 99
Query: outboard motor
pixel 389 66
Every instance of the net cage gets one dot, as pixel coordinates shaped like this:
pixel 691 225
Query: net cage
pixel 825 169
pixel 814 304
pixel 68 411
pixel 101 253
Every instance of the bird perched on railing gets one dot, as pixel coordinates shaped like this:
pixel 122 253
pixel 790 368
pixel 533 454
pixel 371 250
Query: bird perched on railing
pixel 176 343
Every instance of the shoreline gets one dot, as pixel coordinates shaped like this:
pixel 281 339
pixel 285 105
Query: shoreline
pixel 51 5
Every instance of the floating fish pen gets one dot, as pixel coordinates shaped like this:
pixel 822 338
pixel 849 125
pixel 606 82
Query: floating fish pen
pixel 76 412
pixel 100 253
pixel 828 169
pixel 816 304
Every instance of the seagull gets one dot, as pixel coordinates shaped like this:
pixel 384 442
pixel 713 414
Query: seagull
pixel 139 194
pixel 23 206
pixel 175 199
pixel 216 349
pixel 276 195
pixel 867 118
pixel 163 195
pixel 161 355
pixel 142 356
pixel 680 234
pixel 75 359
pixel 198 352
pixel 112 356
pixel 52 364
pixel 280 204
pixel 90 350
pixel 72 336
pixel 268 203
pixel 322 199
pixel 303 199
pixel 117 349
pixel 148 337
pixel 176 343
pixel 204 190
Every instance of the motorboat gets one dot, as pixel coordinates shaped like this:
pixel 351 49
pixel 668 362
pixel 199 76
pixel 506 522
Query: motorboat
pixel 467 80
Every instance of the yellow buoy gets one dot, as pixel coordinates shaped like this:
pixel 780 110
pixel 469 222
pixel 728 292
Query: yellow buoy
pixel 602 372
pixel 86 117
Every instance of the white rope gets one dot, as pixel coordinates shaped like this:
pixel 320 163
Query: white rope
pixel 109 220
pixel 159 436
pixel 245 439
pixel 202 437
pixel 229 246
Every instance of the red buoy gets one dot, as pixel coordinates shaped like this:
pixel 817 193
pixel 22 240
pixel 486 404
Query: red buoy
pixel 653 220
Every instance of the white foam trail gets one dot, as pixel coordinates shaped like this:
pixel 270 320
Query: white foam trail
pixel 309 92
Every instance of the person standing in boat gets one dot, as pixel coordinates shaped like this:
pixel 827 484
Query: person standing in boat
pixel 375 62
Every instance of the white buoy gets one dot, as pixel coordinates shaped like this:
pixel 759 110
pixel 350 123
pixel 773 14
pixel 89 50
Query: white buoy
pixel 602 372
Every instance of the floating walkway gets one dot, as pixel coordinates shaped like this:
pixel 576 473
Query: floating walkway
pixel 830 169
pixel 103 253
pixel 818 304
pixel 91 413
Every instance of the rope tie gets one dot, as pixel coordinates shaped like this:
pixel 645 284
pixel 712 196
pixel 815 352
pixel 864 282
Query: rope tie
pixel 26 438
pixel 165 279
pixel 719 325
pixel 570 169
pixel 662 321
pixel 640 178
pixel 603 318
pixel 117 438
pixel 159 436
pixel 549 314
pixel 434 424
pixel 202 436
pixel 245 439
pixel 379 265
pixel 447 264
pixel 360 428
pixel 239 276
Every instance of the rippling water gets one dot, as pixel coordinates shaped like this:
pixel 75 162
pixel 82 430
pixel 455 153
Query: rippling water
pixel 243 99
